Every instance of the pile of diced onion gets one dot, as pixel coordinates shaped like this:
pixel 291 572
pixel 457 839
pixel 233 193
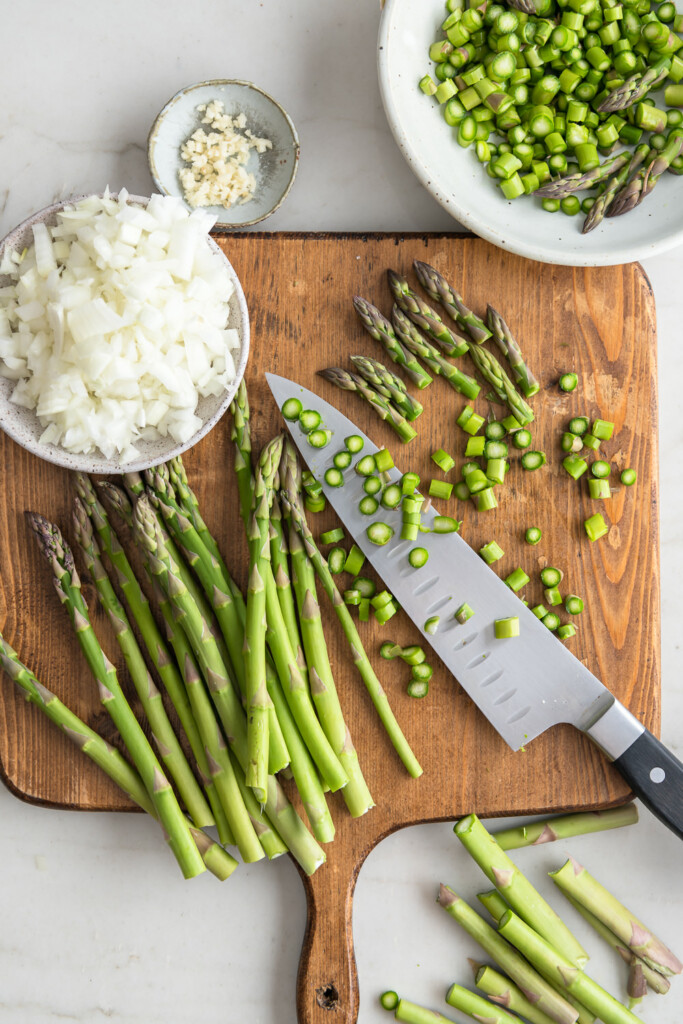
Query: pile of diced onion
pixel 114 324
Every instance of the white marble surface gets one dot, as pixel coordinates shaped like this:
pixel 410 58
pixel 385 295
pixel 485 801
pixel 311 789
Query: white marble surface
pixel 95 924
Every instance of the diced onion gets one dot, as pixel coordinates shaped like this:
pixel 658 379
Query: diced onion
pixel 114 324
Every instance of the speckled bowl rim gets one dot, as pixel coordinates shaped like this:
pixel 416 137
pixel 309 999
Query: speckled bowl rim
pixel 84 463
pixel 224 225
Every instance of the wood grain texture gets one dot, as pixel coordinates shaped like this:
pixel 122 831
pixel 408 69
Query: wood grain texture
pixel 599 322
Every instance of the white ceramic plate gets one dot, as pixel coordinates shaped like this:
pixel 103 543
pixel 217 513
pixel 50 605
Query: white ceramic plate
pixel 23 425
pixel 457 180
pixel 274 170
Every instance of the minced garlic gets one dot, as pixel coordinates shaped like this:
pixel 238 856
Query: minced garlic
pixel 217 174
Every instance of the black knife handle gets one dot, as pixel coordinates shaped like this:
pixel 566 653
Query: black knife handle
pixel 656 776
pixel 652 771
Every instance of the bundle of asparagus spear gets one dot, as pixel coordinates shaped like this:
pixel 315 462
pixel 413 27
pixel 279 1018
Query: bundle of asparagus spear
pixel 249 677
pixel 542 977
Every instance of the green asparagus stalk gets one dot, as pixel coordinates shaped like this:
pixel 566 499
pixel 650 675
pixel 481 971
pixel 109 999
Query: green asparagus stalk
pixel 516 889
pixel 438 289
pixel 656 981
pixel 494 374
pixel 570 183
pixel 384 409
pixel 660 162
pixel 388 385
pixel 505 993
pixel 635 88
pixel 206 650
pixel 504 339
pixel 323 689
pixel 219 862
pixel 574 880
pixel 381 330
pixel 603 203
pixel 170 751
pixel 536 988
pixel 416 342
pixel 477 1007
pixel 424 317
pixel 494 903
pixel 558 969
pixel 413 1013
pixel 547 830
pixel 631 192
pixel 279 560
pixel 241 435
pixel 68 586
pixel 360 658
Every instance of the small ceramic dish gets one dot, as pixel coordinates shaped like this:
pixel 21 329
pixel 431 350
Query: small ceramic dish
pixel 458 181
pixel 23 425
pixel 274 169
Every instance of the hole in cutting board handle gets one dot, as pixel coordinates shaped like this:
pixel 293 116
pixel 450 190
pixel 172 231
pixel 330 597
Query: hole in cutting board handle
pixel 327 996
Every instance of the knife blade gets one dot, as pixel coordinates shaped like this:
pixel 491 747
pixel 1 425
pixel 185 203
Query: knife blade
pixel 524 685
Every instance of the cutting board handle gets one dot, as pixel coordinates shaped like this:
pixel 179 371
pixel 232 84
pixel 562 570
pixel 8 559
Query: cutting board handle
pixel 327 982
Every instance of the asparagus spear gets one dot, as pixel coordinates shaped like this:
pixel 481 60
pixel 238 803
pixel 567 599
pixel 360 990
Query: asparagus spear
pixel 656 981
pixel 386 411
pixel 424 317
pixel 477 1007
pixel 604 202
pixel 106 757
pixel 574 880
pixel 660 162
pixel 548 830
pixel 505 993
pixel 438 288
pixel 323 690
pixel 381 330
pixel 170 750
pixel 517 890
pixel 504 339
pixel 68 586
pixel 241 435
pixel 416 342
pixel 537 989
pixel 205 648
pixel 494 374
pixel 279 552
pixel 388 385
pixel 494 903
pixel 554 966
pixel 635 88
pixel 570 183
pixel 413 1013
pixel 361 661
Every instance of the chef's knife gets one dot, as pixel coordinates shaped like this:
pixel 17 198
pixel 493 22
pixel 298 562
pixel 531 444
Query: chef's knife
pixel 524 685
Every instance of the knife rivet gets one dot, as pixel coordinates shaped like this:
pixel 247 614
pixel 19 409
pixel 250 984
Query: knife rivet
pixel 657 775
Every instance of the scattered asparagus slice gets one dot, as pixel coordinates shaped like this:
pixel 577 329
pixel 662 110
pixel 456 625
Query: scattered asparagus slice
pixel 438 289
pixel 205 648
pixel 424 317
pixel 549 829
pixel 477 1007
pixel 501 990
pixel 323 690
pixel 504 339
pixel 384 408
pixel 361 661
pixel 417 343
pixel 656 981
pixel 170 750
pixel 558 969
pixel 574 880
pixel 381 330
pixel 517 890
pixel 68 586
pixel 389 385
pixel 219 862
pixel 543 995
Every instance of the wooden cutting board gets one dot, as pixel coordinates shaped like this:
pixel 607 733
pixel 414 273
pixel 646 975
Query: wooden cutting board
pixel 598 322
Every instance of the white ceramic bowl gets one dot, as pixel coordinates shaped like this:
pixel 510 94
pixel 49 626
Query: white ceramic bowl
pixel 274 169
pixel 23 426
pixel 458 181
